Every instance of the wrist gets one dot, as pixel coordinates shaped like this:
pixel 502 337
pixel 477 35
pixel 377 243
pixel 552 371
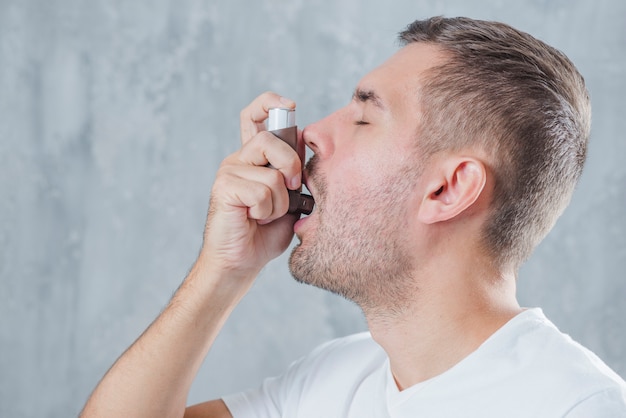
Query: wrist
pixel 214 286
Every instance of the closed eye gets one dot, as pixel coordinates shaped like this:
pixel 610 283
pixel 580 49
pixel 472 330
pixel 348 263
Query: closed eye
pixel 361 122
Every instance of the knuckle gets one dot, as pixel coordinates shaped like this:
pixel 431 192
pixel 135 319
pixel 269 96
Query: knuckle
pixel 276 178
pixel 266 193
pixel 268 94
pixel 262 208
pixel 223 181
pixel 230 160
pixel 266 137
pixel 259 193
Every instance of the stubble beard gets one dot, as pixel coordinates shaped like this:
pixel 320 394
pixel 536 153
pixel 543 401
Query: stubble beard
pixel 359 250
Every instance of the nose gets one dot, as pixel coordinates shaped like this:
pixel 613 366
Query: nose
pixel 319 136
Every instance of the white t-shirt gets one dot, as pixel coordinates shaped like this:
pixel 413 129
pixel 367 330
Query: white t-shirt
pixel 528 368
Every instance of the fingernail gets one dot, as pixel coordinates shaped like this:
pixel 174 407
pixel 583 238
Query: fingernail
pixel 287 102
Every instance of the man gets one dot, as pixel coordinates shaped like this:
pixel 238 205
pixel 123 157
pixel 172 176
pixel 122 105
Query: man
pixel 452 161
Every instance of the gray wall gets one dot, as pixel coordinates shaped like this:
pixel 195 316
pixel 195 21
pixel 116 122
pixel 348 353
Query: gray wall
pixel 114 116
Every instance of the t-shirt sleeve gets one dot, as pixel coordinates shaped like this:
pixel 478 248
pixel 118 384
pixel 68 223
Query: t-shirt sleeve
pixel 303 382
pixel 610 403
pixel 266 401
pixel 277 396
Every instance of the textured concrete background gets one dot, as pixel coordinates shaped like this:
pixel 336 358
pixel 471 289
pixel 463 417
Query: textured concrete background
pixel 114 116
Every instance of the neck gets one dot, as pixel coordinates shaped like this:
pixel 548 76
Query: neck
pixel 453 313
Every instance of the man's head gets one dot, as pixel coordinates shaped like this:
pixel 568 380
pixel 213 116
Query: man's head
pixel 523 101
pixel 358 240
pixel 472 129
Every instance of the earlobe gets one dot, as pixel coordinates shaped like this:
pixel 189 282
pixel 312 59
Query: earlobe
pixel 454 189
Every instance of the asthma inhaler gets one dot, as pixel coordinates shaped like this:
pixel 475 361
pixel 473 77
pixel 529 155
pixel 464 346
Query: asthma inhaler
pixel 282 123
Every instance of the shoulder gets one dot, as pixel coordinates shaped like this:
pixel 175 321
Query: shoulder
pixel 557 350
pixel 321 381
pixel 529 368
pixel 356 342
pixel 549 361
pixel 345 352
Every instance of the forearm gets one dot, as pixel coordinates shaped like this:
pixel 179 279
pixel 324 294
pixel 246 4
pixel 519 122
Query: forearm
pixel 246 227
pixel 152 378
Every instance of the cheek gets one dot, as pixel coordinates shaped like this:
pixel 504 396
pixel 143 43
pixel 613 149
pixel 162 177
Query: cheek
pixel 368 173
pixel 368 192
pixel 357 169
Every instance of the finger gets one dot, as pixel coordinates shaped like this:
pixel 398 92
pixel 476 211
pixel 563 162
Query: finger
pixel 265 148
pixel 258 189
pixel 253 116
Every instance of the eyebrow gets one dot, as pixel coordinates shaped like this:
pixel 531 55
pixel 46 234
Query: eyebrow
pixel 364 96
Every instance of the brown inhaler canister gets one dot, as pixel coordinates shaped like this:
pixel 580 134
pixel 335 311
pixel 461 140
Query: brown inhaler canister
pixel 281 123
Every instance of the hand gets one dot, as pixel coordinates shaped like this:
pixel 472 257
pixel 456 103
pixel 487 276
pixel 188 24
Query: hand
pixel 247 225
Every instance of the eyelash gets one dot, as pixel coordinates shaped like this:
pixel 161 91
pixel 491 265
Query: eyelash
pixel 361 122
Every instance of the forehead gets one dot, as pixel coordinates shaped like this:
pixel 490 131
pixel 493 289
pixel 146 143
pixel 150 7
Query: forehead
pixel 398 79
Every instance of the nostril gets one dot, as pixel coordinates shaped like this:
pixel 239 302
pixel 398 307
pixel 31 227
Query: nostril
pixel 308 138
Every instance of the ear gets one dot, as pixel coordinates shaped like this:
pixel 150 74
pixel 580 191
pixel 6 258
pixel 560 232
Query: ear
pixel 454 186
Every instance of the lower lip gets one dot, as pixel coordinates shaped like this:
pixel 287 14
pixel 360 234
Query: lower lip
pixel 299 225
